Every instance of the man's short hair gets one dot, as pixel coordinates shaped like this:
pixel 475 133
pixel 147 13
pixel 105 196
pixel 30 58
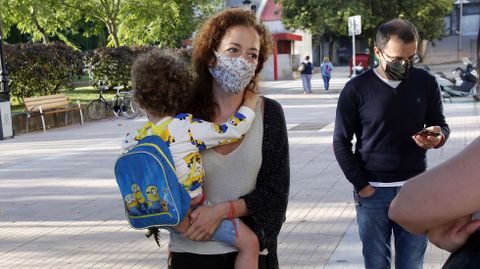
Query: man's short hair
pixel 403 29
pixel 307 57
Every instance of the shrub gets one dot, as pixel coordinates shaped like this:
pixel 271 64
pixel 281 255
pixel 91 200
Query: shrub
pixel 111 66
pixel 41 69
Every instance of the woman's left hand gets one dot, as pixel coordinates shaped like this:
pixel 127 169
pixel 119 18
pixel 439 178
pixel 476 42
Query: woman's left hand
pixel 204 220
pixel 453 235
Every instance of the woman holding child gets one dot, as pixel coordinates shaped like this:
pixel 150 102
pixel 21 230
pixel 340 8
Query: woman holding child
pixel 249 178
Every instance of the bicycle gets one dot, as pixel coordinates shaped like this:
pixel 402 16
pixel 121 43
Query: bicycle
pixel 122 104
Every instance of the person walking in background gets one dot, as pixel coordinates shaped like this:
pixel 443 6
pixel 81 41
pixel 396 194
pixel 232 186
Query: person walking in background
pixel 385 108
pixel 326 68
pixel 306 69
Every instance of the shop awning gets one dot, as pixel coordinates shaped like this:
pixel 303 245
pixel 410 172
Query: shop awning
pixel 287 36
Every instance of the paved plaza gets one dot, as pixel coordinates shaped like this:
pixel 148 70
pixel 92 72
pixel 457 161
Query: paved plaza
pixel 60 207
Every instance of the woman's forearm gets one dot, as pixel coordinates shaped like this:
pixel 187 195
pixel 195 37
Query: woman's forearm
pixel 445 193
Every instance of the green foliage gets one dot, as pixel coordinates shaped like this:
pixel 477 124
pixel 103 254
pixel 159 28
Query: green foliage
pixel 322 16
pixel 139 22
pixel 162 22
pixel 111 66
pixel 39 69
pixel 41 19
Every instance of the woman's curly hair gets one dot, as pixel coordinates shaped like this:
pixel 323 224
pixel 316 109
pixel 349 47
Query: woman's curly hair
pixel 161 83
pixel 207 40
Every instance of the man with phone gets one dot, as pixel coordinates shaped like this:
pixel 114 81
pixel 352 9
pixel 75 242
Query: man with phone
pixel 395 112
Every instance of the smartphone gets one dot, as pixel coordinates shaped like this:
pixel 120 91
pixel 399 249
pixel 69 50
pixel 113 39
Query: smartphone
pixel 426 132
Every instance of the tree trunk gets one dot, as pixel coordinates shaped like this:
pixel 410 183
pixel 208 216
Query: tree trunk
pixel 422 48
pixel 112 30
pixel 42 31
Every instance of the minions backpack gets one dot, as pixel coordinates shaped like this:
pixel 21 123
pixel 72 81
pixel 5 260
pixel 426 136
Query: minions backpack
pixel 150 190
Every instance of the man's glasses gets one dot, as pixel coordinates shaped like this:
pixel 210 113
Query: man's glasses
pixel 398 60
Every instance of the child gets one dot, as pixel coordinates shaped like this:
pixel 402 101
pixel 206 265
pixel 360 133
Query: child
pixel 161 84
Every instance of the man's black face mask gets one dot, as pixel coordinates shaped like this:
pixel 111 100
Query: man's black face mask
pixel 397 71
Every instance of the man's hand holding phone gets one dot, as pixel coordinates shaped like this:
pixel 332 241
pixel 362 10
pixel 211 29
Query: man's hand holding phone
pixel 429 137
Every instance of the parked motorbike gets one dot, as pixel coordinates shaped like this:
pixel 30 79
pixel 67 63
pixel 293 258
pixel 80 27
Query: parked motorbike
pixel 465 87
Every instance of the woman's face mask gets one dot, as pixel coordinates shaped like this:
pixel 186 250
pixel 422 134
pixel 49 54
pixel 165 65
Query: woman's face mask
pixel 232 74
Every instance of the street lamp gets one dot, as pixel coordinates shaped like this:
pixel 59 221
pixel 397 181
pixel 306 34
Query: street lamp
pixel 6 129
pixel 459 27
pixel 4 94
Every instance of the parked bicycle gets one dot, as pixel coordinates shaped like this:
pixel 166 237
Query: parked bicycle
pixel 122 105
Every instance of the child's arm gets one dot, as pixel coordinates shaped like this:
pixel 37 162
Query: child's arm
pixel 206 134
pixel 129 141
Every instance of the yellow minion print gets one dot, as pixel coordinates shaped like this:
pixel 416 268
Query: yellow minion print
pixel 220 128
pixel 132 205
pixel 228 141
pixel 184 116
pixel 196 174
pixel 165 135
pixel 196 142
pixel 153 199
pixel 164 206
pixel 138 193
pixel 236 118
pixel 140 199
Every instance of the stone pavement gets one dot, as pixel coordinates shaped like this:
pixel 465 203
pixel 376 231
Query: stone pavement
pixel 60 208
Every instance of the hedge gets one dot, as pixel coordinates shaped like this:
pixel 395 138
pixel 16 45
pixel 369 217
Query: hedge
pixel 110 67
pixel 41 69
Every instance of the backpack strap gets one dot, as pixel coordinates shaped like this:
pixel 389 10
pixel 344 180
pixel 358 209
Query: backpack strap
pixel 157 130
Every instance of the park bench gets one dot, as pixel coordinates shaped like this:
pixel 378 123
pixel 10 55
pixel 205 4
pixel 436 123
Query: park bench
pixel 49 104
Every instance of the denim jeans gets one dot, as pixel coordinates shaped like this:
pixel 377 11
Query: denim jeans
pixel 376 229
pixel 326 82
pixel 307 83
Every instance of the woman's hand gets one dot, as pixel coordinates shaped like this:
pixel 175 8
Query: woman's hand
pixel 453 235
pixel 204 221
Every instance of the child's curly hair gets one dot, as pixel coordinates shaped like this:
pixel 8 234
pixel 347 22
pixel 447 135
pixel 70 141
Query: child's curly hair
pixel 161 83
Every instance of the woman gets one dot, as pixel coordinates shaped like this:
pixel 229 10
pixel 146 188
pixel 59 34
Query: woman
pixel 326 68
pixel 441 201
pixel 249 178
pixel 306 69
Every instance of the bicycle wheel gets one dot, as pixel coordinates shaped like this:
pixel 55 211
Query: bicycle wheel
pixel 130 108
pixel 97 109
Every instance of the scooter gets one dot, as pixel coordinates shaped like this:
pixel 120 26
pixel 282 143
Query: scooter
pixel 466 87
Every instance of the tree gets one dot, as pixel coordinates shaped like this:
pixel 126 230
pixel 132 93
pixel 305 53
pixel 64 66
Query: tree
pixel 162 22
pixel 320 16
pixel 41 19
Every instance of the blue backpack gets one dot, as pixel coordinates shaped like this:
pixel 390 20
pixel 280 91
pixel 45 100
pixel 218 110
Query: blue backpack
pixel 150 190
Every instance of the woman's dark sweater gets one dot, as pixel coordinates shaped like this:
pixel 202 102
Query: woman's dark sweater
pixel 267 204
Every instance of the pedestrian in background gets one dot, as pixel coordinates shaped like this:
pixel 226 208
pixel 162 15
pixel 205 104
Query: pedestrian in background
pixel 326 68
pixel 385 108
pixel 306 69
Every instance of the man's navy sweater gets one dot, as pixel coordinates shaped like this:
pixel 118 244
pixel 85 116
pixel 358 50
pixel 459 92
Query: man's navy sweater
pixel 383 120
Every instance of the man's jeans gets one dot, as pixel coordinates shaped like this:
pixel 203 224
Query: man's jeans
pixel 376 229
pixel 307 83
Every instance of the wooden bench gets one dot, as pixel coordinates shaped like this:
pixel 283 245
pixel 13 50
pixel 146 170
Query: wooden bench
pixel 49 104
